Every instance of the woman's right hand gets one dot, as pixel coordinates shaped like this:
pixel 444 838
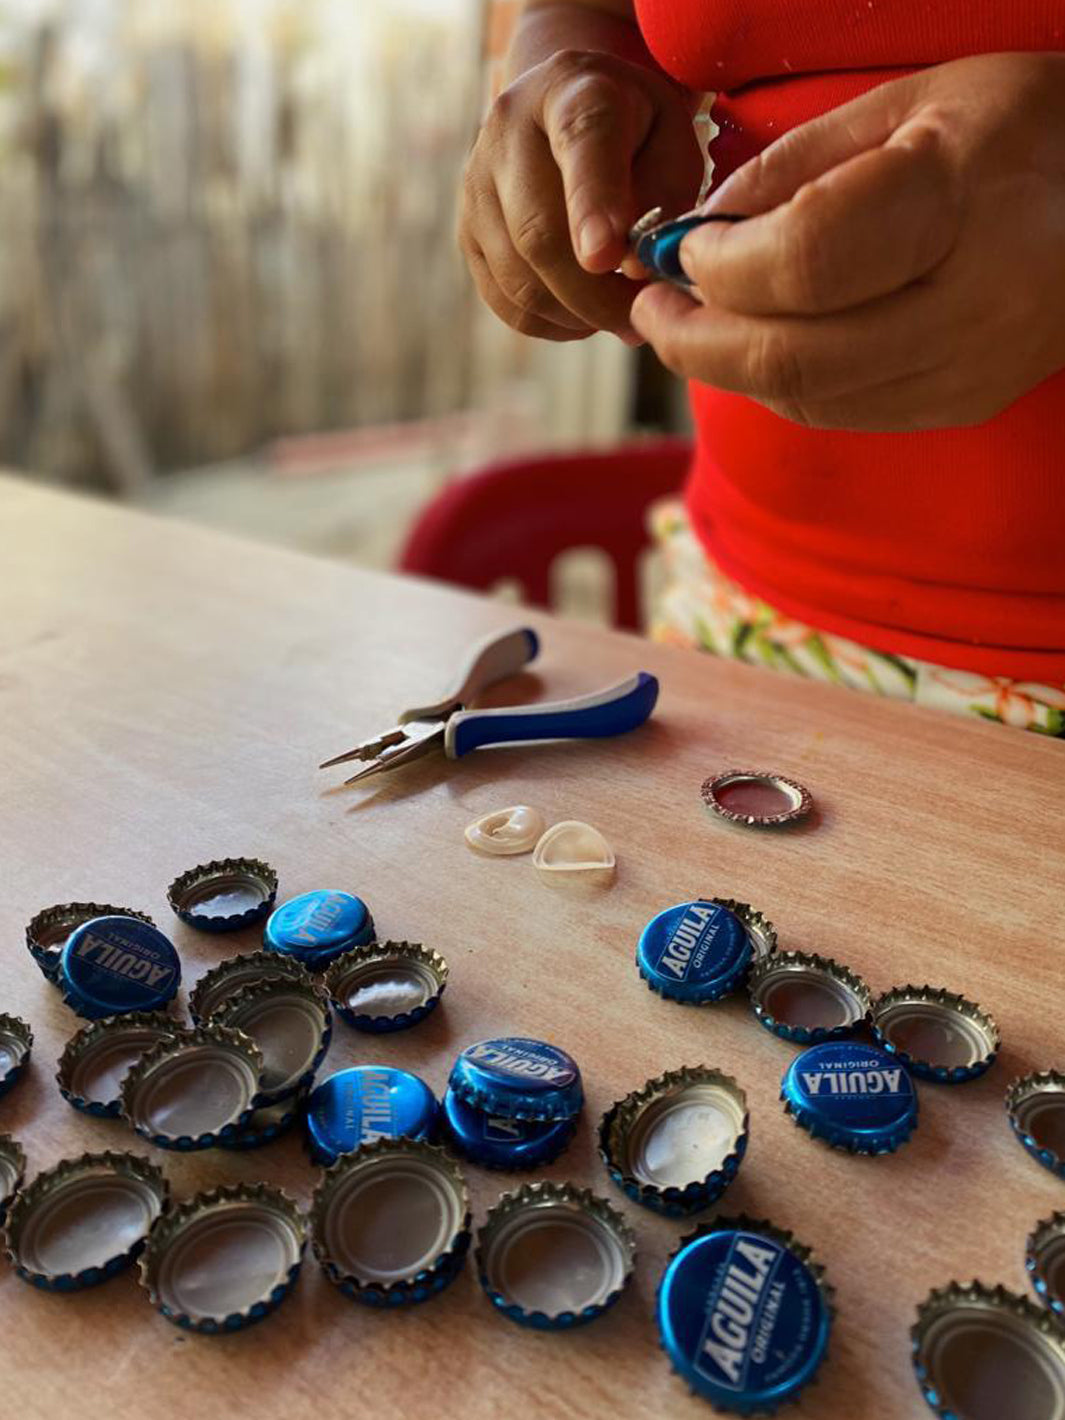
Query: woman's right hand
pixel 569 156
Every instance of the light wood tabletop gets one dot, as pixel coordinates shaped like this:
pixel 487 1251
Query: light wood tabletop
pixel 165 696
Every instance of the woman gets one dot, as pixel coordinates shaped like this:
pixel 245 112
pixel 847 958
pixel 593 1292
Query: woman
pixel 877 354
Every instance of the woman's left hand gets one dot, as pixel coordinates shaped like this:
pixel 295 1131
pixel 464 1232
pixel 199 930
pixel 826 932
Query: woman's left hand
pixel 903 262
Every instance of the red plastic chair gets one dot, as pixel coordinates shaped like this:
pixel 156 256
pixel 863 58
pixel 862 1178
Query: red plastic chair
pixel 511 519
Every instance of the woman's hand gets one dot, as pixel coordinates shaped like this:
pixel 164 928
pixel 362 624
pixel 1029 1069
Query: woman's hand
pixel 903 266
pixel 568 157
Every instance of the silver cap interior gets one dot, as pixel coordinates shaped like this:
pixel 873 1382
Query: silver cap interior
pixel 934 1033
pixel 98 1072
pixel 10 1169
pixel 989 1364
pixel 225 893
pixel 233 978
pixel 387 986
pixel 683 1136
pixel 225 1259
pixel 198 1091
pixel 85 1222
pixel 803 995
pixel 554 1257
pixel 1050 1258
pixel 287 1027
pixel 757 796
pixel 1042 1115
pixel 12 1049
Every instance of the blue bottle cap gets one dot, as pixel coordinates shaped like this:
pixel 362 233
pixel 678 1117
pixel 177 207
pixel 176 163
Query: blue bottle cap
pixel 937 1034
pixel 518 1079
pixel 1036 1108
pixel 353 1107
pixel 694 952
pixel 317 927
pixel 853 1096
pixel 16 1042
pixel 744 1314
pixel 111 965
pixel 1044 1261
pixel 47 932
pixel 496 1142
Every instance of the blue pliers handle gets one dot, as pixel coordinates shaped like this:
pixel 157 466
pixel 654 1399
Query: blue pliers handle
pixel 657 242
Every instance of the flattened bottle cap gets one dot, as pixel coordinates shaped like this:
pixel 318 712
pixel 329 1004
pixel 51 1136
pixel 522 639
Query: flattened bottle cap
pixel 224 1259
pixel 518 1078
pixel 223 981
pixel 496 1142
pixel 97 1059
pixel 386 986
pixel 804 997
pixel 12 1170
pixel 16 1043
pixel 554 1256
pixel 225 894
pixel 755 798
pixel 47 933
pixel 391 1222
pixel 744 1314
pixel 81 1222
pixel 270 1122
pixel 1036 1108
pixel 193 1089
pixel 676 1144
pixel 853 1096
pixel 115 964
pixel 694 952
pixel 290 1023
pixel 317 927
pixel 354 1107
pixel 982 1353
pixel 936 1034
pixel 1044 1261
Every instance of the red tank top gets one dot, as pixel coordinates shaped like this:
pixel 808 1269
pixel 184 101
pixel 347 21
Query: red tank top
pixel 947 546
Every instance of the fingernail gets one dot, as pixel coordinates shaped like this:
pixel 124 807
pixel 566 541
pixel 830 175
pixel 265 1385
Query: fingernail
pixel 595 234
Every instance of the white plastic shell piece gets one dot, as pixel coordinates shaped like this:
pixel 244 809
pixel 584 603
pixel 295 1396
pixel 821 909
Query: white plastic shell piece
pixel 572 847
pixel 507 831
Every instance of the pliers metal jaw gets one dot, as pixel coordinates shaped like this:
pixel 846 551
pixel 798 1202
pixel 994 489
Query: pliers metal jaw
pixel 656 241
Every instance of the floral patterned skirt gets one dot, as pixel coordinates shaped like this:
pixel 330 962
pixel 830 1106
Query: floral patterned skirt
pixel 701 608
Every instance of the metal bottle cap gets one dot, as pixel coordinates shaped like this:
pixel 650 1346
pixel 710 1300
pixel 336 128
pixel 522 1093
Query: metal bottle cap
pixel 391 1222
pixel 386 986
pixel 115 964
pixel 223 981
pixel 744 1314
pixel 194 1089
pixel 224 1259
pixel 317 927
pixel 518 1078
pixel 47 933
pixel 936 1034
pixel 354 1107
pixel 804 997
pixel 496 1142
pixel 96 1059
pixel 1036 1108
pixel 290 1023
pixel 553 1256
pixel 699 951
pixel 12 1170
pixel 1044 1261
pixel 755 798
pixel 853 1096
pixel 81 1222
pixel 16 1042
pixel 982 1353
pixel 676 1144
pixel 225 894
pixel 270 1122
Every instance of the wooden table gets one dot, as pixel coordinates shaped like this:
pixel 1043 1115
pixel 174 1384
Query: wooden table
pixel 165 695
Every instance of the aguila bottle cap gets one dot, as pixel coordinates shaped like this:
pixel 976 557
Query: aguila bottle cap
pixel 1036 1108
pixel 982 1353
pixel 936 1034
pixel 676 1144
pixel 111 965
pixel 224 895
pixel 12 1171
pixel 496 1142
pixel 290 1023
pixel 224 1259
pixel 853 1096
pixel 16 1043
pixel 518 1078
pixel 81 1222
pixel 193 1089
pixel 806 998
pixel 391 1222
pixel 386 986
pixel 318 927
pixel 354 1107
pixel 265 1125
pixel 744 1314
pixel 1044 1261
pixel 96 1059
pixel 755 798
pixel 223 981
pixel 554 1256
pixel 47 933
pixel 697 952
